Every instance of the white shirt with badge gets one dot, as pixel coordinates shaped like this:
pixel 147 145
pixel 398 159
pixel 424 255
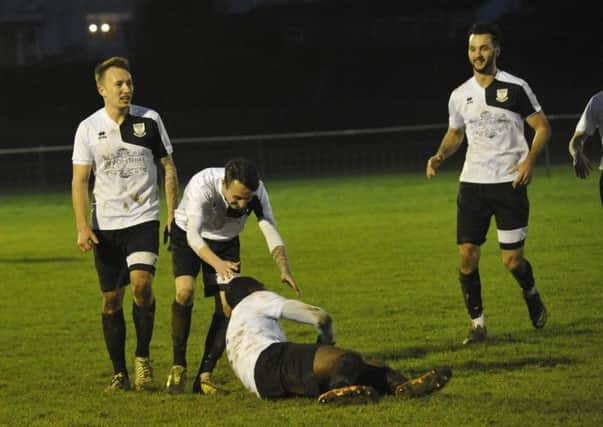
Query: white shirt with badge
pixel 123 159
pixel 253 327
pixel 203 198
pixel 493 119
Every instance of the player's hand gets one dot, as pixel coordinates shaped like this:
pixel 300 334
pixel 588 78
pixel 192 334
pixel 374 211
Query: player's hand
pixel 524 173
pixel 433 164
pixel 582 166
pixel 288 279
pixel 327 333
pixel 227 269
pixel 170 220
pixel 85 240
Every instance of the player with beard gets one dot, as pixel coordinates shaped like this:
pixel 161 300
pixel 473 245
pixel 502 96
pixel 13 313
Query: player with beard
pixel 490 108
pixel 213 212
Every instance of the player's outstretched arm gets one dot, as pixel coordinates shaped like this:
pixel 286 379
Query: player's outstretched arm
pixel 582 165
pixel 279 254
pixel 301 312
pixel 450 144
pixel 276 246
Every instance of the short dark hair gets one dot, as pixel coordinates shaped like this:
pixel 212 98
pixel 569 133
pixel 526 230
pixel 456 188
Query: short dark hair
pixel 487 28
pixel 114 61
pixel 243 171
pixel 239 287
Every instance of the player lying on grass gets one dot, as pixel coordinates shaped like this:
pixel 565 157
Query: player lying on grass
pixel 272 367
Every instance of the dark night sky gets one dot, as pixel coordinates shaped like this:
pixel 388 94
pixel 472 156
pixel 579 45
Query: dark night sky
pixel 359 63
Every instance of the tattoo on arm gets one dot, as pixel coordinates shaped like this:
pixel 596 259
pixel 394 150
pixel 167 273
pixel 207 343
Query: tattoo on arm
pixel 171 185
pixel 279 254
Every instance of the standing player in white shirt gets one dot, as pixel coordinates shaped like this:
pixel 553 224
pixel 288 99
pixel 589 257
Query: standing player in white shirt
pixel 213 211
pixel 121 143
pixel 272 367
pixel 591 119
pixel 490 108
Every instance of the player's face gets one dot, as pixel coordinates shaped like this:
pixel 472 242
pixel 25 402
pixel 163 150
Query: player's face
pixel 482 53
pixel 116 88
pixel 236 194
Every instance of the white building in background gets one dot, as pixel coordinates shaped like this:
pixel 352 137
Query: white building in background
pixel 34 31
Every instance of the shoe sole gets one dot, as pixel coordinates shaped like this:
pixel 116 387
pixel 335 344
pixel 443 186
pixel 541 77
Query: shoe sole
pixel 477 338
pixel 207 388
pixel 147 384
pixel 176 387
pixel 542 319
pixel 468 341
pixel 425 384
pixel 349 395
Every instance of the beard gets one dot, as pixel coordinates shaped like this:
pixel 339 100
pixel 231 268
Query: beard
pixel 487 68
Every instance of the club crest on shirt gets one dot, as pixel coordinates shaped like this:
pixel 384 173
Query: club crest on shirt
pixel 139 129
pixel 502 95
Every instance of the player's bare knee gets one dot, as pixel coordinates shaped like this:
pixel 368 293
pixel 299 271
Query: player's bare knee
pixel 111 303
pixel 185 296
pixel 142 291
pixel 469 259
pixel 512 261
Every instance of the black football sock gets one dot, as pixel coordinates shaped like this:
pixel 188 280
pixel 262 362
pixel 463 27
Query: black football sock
pixel 114 331
pixel 524 277
pixel 181 326
pixel 144 320
pixel 381 378
pixel 472 293
pixel 351 369
pixel 215 342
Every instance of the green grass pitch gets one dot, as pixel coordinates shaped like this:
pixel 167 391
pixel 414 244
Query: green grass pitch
pixel 379 254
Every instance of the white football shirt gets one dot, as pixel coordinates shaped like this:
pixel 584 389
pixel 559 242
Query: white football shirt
pixel 592 118
pixel 123 161
pixel 493 119
pixel 253 326
pixel 203 198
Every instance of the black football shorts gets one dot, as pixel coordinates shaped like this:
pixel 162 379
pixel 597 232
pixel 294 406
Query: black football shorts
pixel 185 262
pixel 287 369
pixel 121 251
pixel 477 203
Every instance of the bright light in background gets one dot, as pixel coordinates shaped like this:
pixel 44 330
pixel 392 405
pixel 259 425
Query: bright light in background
pixel 105 28
pixel 93 28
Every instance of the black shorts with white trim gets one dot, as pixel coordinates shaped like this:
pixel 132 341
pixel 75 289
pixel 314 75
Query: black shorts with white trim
pixel 477 203
pixel 121 251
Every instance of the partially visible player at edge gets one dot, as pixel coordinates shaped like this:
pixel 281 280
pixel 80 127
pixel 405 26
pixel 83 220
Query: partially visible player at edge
pixel 591 119
pixel 121 144
pixel 490 108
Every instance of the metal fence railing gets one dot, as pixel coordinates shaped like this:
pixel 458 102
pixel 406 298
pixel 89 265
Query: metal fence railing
pixel 314 153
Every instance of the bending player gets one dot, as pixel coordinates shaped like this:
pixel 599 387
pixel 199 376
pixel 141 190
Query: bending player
pixel 272 367
pixel 214 209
